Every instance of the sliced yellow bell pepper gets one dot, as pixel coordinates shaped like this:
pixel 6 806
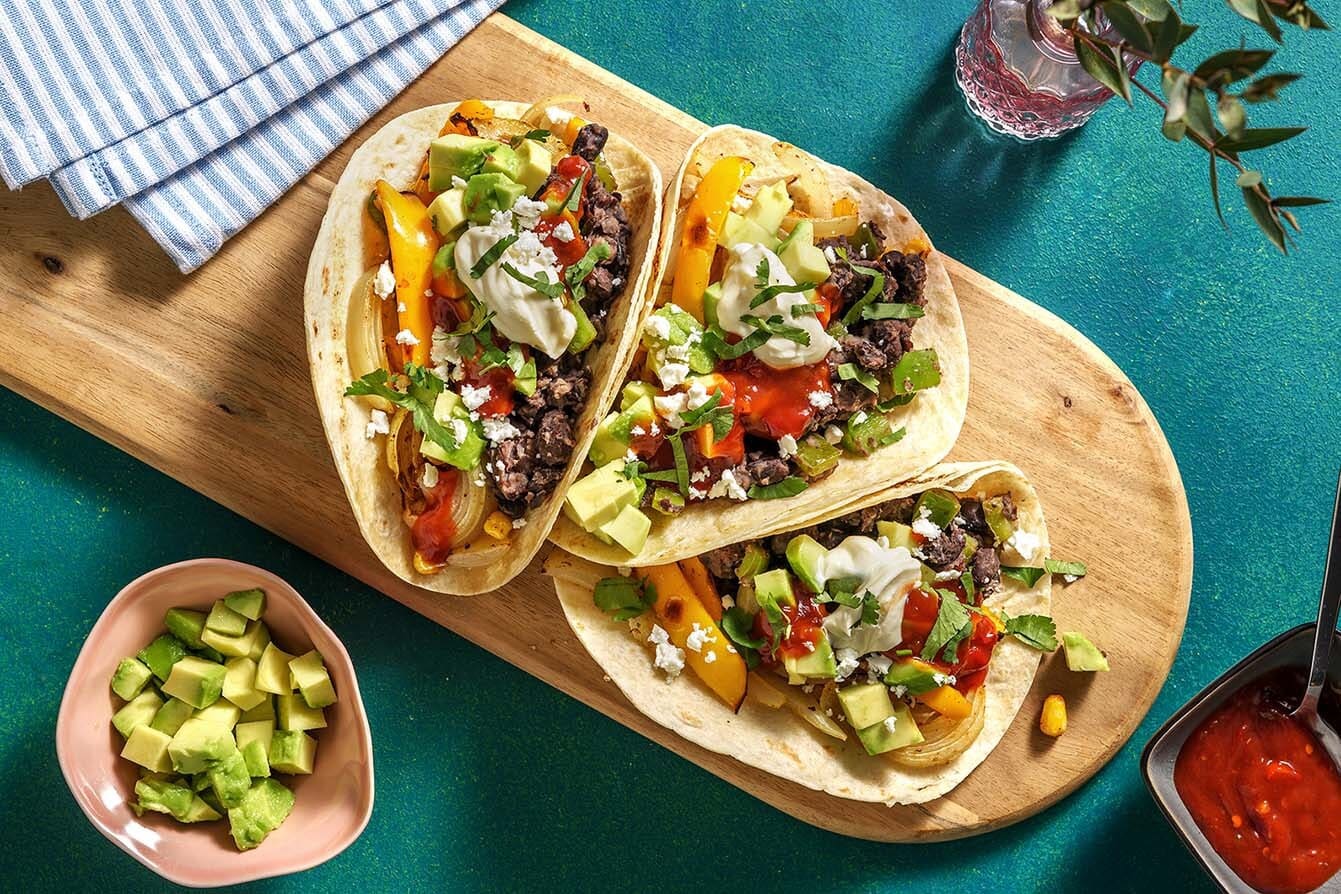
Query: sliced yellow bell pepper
pixel 703 221
pixel 678 609
pixel 948 702
pixel 413 244
pixel 571 128
pixel 701 582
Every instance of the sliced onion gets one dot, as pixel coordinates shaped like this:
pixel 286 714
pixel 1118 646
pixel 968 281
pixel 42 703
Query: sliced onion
pixel 765 691
pixel 504 130
pixel 946 738
pixel 811 712
pixel 535 115
pixel 825 227
pixel 363 334
pixel 810 190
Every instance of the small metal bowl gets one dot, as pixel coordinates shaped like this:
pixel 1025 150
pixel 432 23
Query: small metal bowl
pixel 1291 649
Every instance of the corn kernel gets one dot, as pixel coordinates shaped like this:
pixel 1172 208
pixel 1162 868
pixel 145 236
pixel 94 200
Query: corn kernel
pixel 1053 721
pixel 498 525
pixel 918 245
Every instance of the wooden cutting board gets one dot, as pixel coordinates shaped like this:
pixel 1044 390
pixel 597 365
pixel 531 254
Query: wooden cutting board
pixel 205 378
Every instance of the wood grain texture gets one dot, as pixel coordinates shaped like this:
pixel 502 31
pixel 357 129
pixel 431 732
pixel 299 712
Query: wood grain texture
pixel 205 378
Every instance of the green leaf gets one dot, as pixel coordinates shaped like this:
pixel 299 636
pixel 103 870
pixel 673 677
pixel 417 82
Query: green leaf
pixel 1248 179
pixel 541 282
pixel 804 310
pixel 1233 117
pixel 1298 201
pixel 623 597
pixel 1259 138
pixel 1265 217
pixel 493 254
pixel 870 610
pixel 1026 574
pixel 1057 566
pixel 576 273
pixel 738 625
pixel 1229 66
pixel 714 340
pixel 1199 115
pixel 574 199
pixel 951 618
pixel 1215 189
pixel 787 487
pixel 850 371
pixel 1035 631
pixel 1267 21
pixel 775 326
pixel 876 288
pixel 1154 10
pixel 1167 34
pixel 892 310
pixel 770 292
pixel 1103 68
pixel 424 390
pixel 1268 87
pixel 1302 15
pixel 1129 25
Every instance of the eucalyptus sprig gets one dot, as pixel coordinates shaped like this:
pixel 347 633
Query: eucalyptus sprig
pixel 1150 31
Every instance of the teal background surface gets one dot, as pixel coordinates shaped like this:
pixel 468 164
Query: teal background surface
pixel 491 780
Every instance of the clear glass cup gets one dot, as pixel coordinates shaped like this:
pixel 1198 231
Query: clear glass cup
pixel 1019 73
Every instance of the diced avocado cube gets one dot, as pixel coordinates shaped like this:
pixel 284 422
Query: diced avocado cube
pixel 223 619
pixel 448 211
pixel 148 747
pixel 292 751
pixel 160 655
pixel 295 714
pixel 770 206
pixel 198 744
pixel 598 496
pixel 611 441
pixel 502 160
pixel 880 738
pixel 265 806
pixel 185 624
pixel 752 562
pixel 195 681
pixel 171 716
pixel 129 678
pixel 257 757
pixel 916 677
pixel 260 639
pixel 239 685
pixel 533 165
pixel 222 712
pixel 208 654
pixel 1081 654
pixel 446 408
pixel 254 731
pixel 314 682
pixel 231 646
pixel 806 556
pixel 230 778
pixel 207 795
pixel 937 505
pixel 199 812
pixel 163 796
pixel 897 533
pixel 816 665
pixel 200 781
pixel 137 712
pixel 805 262
pixel 263 711
pixel 712 296
pixel 629 529
pixel 994 510
pixel 490 193
pixel 739 230
pixel 585 333
pixel 634 391
pixel 250 604
pixel 272 671
pixel 774 587
pixel 456 155
pixel 865 704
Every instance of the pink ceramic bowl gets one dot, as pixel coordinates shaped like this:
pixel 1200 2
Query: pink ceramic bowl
pixel 332 805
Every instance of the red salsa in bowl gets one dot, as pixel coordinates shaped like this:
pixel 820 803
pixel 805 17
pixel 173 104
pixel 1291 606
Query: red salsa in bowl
pixel 1262 790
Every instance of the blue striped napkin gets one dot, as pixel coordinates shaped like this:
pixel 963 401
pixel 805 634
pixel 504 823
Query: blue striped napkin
pixel 198 114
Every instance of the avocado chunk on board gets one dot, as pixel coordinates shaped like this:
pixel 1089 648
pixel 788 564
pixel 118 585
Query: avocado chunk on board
pixel 292 751
pixel 250 604
pixel 129 677
pixel 1081 654
pixel 195 681
pixel 185 624
pixel 139 711
pixel 314 682
pixel 148 747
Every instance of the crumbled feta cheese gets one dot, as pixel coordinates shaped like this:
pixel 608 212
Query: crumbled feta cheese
pixel 564 232
pixel 501 220
pixel 859 418
pixel 460 431
pixel 740 204
pixel 458 182
pixel 786 446
pixel 833 434
pixel 637 431
pixel 518 523
pixel 630 456
pixel 696 396
pixel 384 283
pixel 890 722
pixel 429 478
pixel 845 664
pixel 830 255
pixel 473 397
pixel 950 574
pixel 400 307
pixel 899 691
pixel 406 337
pixel 428 293
pixel 701 475
pixel 1024 542
pixel 728 602
pixel 728 486
pixel 821 399
pixel 698 638
pixel 498 429
pixel 941 679
pixel 672 374
pixel 529 211
pixel 669 657
pixel 378 424
pixel 924 526
pixel 710 658
pixel 1070 578
pixel 444 348
pixel 809 646
pixel 669 407
pixel 697 493
pixel 878 664
pixel 658 327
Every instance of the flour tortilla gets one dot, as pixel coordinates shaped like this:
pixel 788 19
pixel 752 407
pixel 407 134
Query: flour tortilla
pixel 394 153
pixel 780 742
pixel 932 420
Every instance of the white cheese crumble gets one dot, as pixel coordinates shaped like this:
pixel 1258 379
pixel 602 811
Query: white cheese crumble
pixel 460 431
pixel 696 396
pixel 698 638
pixel 728 602
pixel 384 283
pixel 669 407
pixel 786 446
pixel 672 374
pixel 518 523
pixel 845 664
pixel 924 526
pixel 833 434
pixel 406 337
pixel 890 722
pixel 728 486
pixel 878 664
pixel 859 418
pixel 899 691
pixel 564 232
pixel 669 657
pixel 458 182
pixel 821 399
pixel 498 429
pixel 658 327
pixel 378 424
pixel 473 397
pixel 528 211
pixel 429 478
pixel 1070 578
pixel 941 679
pixel 1024 542
pixel 710 658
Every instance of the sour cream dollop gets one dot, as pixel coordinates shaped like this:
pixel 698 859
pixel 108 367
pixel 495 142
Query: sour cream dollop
pixel 739 289
pixel 887 573
pixel 521 313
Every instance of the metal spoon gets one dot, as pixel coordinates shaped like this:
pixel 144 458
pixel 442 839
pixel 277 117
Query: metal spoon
pixel 1307 712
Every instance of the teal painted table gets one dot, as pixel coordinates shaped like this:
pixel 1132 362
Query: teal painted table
pixel 490 780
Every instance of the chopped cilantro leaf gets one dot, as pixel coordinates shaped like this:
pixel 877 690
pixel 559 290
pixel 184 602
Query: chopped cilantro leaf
pixel 493 254
pixel 1055 566
pixel 1035 631
pixel 542 283
pixel 893 311
pixel 1026 574
pixel 787 487
pixel 952 626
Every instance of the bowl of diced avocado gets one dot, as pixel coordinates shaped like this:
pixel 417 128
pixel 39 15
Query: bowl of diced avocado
pixel 212 727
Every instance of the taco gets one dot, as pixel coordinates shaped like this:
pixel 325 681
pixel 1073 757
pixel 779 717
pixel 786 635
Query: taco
pixel 806 346
pixel 877 654
pixel 471 302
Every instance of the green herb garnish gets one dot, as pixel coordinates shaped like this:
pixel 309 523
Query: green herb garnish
pixel 1055 566
pixel 775 326
pixel 877 287
pixel 419 400
pixel 952 626
pixel 539 136
pixel 542 283
pixel 1035 631
pixel 1026 574
pixel 787 487
pixel 851 372
pixel 770 292
pixel 893 311
pixel 493 254
pixel 803 310
pixel 714 340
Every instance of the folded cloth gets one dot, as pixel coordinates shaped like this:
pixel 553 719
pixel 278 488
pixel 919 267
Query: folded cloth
pixel 198 115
